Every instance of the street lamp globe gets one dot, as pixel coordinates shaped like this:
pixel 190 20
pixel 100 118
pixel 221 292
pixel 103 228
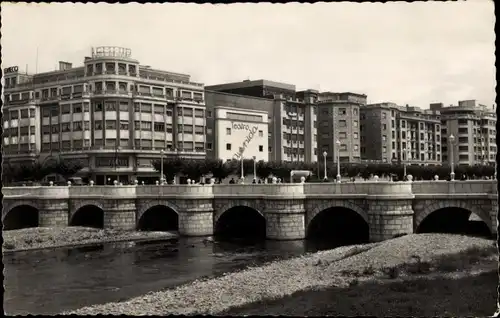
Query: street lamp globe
pixel 452 138
pixel 338 142
pixel 324 153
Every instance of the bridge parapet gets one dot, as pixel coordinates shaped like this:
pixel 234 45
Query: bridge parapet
pixel 464 188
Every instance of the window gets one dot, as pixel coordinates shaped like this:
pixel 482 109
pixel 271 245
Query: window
pixel 343 147
pixel 209 131
pixel 355 123
pixel 261 133
pixel 356 147
pixel 384 115
pixel 198 113
pixel 384 149
pixel 355 135
pixel 77 126
pixel 77 108
pixel 342 111
pixel 198 130
pixel 209 114
pixel 66 109
pixel 123 125
pixel 159 109
pixel 342 123
pixel 86 125
pixel 98 125
pixel 228 146
pixel 355 111
pixel 110 124
pixel 123 106
pixel 228 132
pixel 342 135
pixel 98 107
pixel 384 127
pixel 384 138
pixel 146 125
pixel 209 146
pixel 261 148
pixel 159 127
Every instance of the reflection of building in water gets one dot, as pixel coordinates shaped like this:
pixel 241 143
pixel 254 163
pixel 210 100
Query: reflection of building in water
pixel 239 134
pixel 111 112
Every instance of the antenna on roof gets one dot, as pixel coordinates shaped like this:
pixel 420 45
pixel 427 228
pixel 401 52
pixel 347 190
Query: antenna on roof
pixel 36 63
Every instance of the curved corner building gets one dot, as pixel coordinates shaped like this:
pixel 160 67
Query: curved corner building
pixel 113 113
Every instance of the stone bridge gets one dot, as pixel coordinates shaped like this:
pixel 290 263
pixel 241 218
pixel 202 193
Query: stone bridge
pixel 388 209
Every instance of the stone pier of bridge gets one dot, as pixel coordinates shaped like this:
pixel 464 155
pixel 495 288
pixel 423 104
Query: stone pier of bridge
pixel 388 208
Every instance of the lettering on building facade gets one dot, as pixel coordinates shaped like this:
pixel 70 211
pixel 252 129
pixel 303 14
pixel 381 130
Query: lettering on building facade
pixel 11 69
pixel 251 134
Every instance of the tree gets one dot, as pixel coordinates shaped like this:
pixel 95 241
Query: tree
pixel 194 169
pixel 65 167
pixel 264 169
pixel 220 169
pixel 171 167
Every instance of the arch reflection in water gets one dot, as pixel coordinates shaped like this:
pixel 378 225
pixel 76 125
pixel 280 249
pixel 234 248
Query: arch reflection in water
pixel 159 218
pixel 88 216
pixel 241 223
pixel 337 226
pixel 21 217
pixel 454 221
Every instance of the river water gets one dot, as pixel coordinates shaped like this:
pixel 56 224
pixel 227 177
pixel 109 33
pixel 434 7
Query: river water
pixel 52 281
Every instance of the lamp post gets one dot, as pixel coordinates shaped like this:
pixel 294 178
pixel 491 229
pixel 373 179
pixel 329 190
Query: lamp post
pixel 161 165
pixel 338 161
pixel 254 168
pixel 324 162
pixel 452 174
pixel 242 174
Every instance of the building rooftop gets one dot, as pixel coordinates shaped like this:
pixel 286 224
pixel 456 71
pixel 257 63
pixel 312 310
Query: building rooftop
pixel 249 83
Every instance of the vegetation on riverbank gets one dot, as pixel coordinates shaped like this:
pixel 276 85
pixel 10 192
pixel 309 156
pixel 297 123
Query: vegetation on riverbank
pixel 46 237
pixel 346 268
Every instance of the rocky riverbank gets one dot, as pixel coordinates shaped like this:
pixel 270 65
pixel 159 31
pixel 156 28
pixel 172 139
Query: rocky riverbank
pixel 46 237
pixel 339 268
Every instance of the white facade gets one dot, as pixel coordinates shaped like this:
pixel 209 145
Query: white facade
pixel 241 133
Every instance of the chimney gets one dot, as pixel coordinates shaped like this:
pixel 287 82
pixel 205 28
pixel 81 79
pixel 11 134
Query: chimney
pixel 63 66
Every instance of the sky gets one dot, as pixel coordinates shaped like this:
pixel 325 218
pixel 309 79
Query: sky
pixel 406 53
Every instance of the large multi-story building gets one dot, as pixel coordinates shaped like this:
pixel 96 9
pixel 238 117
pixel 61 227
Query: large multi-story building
pixel 289 133
pixel 113 113
pixel 339 126
pixel 473 127
pixel 400 134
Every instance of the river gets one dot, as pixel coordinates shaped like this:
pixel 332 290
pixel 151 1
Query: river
pixel 52 281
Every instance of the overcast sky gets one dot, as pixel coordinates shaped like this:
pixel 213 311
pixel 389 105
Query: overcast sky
pixel 407 53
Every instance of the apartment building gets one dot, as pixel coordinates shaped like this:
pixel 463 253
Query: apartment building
pixel 474 129
pixel 113 113
pixel 290 124
pixel 400 134
pixel 339 126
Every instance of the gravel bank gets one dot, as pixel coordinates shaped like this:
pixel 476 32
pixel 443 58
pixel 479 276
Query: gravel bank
pixel 46 237
pixel 283 278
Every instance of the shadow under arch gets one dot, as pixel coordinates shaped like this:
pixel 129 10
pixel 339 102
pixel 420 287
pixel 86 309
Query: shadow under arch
pixel 240 222
pixel 88 216
pixel 21 217
pixel 158 218
pixel 454 220
pixel 338 226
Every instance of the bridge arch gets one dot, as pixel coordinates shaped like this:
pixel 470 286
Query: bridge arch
pixel 439 206
pixel 20 215
pixel 343 222
pixel 240 219
pixel 158 217
pixel 88 215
